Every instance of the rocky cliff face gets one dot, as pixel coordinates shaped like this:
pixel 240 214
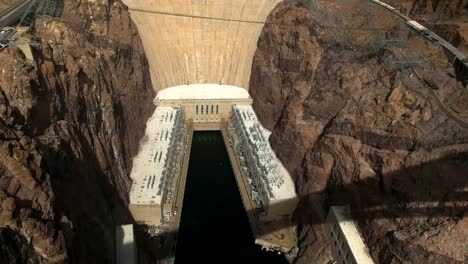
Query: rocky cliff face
pixel 70 122
pixel 354 130
pixel 449 19
pixel 443 9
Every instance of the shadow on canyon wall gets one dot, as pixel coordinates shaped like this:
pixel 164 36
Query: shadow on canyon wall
pixel 438 188
pixel 86 204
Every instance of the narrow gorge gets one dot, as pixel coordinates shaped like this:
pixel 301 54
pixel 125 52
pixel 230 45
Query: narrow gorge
pixel 351 125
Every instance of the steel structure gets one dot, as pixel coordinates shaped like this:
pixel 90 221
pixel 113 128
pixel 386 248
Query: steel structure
pixel 23 12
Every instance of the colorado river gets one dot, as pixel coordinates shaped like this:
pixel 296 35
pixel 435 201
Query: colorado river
pixel 214 226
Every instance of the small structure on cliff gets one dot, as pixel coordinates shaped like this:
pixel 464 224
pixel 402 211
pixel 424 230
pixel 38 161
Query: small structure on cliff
pixel 126 248
pixel 347 245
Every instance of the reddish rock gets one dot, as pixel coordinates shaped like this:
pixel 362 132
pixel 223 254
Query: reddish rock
pixel 70 123
pixel 385 147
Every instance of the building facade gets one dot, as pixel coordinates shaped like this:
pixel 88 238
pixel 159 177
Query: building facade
pixel 206 105
pixel 271 185
pixel 159 169
pixel 153 172
pixel 345 239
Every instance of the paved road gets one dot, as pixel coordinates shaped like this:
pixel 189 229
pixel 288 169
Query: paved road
pixel 446 109
pixel 431 36
pixel 14 13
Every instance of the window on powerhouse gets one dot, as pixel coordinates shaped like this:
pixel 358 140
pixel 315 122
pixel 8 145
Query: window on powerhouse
pixel 205 109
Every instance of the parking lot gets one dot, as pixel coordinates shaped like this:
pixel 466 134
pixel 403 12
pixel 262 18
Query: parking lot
pixel 6 35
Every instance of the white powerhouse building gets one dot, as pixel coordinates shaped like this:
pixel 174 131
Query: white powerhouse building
pixel 205 107
pixel 271 184
pixel 153 169
pixel 204 104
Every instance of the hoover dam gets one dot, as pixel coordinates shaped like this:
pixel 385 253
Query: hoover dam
pixel 199 56
pixel 200 60
pixel 233 131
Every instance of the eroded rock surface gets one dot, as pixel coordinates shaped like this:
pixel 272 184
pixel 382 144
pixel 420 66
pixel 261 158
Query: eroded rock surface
pixel 355 130
pixel 70 123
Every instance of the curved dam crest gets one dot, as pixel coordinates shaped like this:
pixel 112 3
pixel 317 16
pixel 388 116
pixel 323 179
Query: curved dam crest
pixel 194 42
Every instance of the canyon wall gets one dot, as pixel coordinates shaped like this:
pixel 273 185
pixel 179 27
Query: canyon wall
pixel 350 128
pixel 353 129
pixel 442 9
pixel 70 122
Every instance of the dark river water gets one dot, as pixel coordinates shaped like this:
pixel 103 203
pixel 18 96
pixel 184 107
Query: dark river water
pixel 214 226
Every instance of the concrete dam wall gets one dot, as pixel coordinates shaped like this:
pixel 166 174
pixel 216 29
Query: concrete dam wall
pixel 199 41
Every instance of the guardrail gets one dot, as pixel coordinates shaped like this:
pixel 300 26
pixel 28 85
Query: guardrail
pixel 458 60
pixel 14 13
pixel 29 9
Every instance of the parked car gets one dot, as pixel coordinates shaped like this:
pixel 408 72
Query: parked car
pixel 7 30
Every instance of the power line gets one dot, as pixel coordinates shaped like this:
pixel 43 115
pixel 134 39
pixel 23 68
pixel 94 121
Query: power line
pixel 196 16
pixel 250 21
